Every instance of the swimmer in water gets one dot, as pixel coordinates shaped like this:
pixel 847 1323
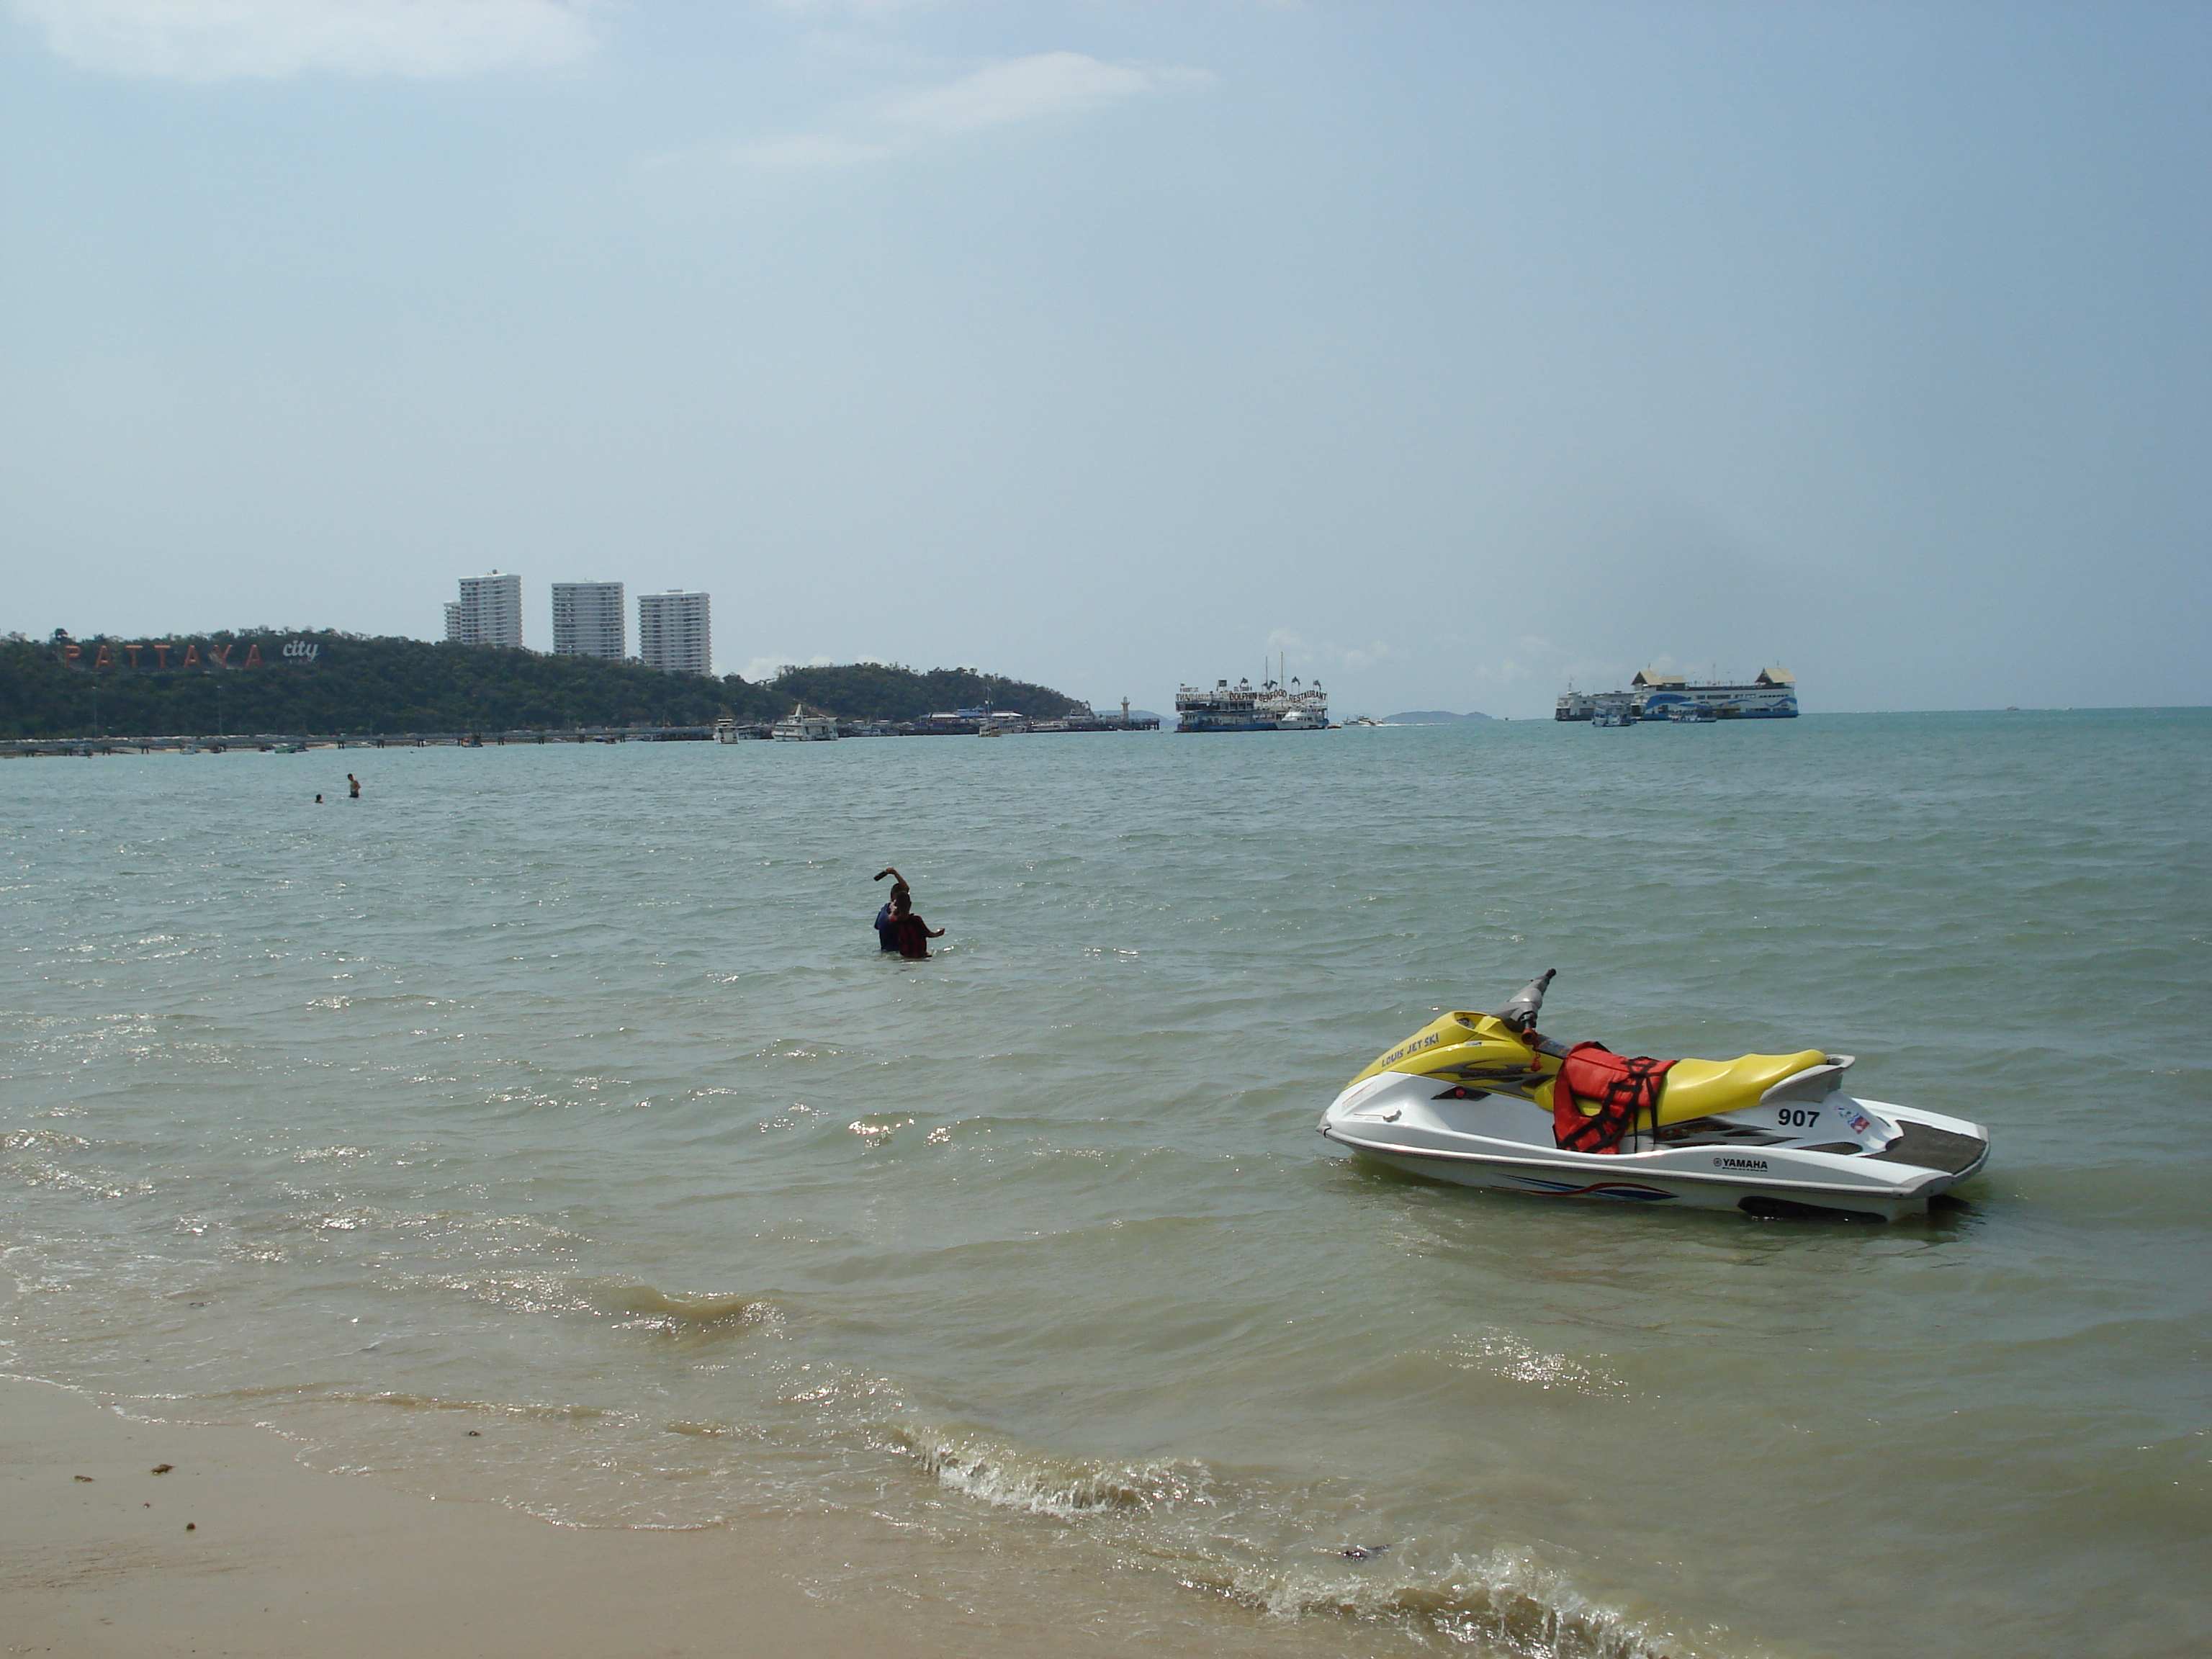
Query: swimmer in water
pixel 355 782
pixel 912 932
pixel 886 929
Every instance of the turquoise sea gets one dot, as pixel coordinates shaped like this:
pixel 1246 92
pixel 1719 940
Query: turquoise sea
pixel 560 1094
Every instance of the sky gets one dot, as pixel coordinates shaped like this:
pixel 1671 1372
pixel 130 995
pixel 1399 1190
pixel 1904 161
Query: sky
pixel 1455 352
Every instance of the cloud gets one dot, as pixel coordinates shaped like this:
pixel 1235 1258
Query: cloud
pixel 1349 660
pixel 266 40
pixel 1021 90
pixel 1532 660
pixel 864 7
pixel 1352 658
pixel 1044 84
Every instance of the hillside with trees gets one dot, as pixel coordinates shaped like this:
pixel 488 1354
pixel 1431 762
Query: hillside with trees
pixel 241 684
pixel 874 691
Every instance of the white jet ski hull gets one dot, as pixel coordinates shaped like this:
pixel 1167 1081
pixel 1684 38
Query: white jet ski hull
pixel 1840 1155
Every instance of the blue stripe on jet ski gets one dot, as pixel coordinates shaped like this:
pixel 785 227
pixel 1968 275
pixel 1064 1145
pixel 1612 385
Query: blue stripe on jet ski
pixel 1596 1189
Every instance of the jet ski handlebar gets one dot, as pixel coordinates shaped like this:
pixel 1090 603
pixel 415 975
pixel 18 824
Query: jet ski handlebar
pixel 1528 1002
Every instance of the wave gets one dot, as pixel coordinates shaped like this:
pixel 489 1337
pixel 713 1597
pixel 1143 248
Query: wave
pixel 1507 1601
pixel 1043 1486
pixel 641 1307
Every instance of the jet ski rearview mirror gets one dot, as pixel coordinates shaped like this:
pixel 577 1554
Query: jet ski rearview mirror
pixel 1521 1012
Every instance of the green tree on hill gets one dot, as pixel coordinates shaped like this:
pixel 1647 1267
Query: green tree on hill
pixel 359 686
pixel 879 691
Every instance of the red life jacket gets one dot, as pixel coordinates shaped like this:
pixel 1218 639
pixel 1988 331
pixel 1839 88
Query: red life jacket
pixel 1624 1089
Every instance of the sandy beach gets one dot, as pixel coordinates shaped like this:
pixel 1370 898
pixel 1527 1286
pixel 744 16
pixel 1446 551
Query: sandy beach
pixel 237 1549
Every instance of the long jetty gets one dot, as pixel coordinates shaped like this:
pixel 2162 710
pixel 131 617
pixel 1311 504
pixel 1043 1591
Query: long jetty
pixel 287 743
pixel 293 743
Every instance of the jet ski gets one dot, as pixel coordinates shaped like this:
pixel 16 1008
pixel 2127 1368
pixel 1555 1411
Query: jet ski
pixel 1480 1099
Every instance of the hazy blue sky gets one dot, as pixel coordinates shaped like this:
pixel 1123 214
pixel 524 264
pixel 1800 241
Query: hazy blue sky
pixel 1454 349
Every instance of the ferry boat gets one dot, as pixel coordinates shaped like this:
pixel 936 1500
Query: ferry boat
pixel 1271 706
pixel 799 727
pixel 1655 694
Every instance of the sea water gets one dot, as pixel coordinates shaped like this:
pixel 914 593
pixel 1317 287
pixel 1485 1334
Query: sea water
pixel 562 1094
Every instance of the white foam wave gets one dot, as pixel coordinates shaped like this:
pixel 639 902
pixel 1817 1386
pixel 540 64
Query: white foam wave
pixel 1502 1354
pixel 1043 1485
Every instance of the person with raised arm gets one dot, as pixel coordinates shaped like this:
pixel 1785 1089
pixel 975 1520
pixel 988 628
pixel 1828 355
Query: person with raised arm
pixel 886 929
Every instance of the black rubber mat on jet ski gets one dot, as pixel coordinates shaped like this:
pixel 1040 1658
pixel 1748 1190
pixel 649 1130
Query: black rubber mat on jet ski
pixel 1933 1149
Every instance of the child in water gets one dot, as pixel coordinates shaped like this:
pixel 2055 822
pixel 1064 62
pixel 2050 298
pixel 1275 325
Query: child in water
pixel 886 932
pixel 911 932
pixel 897 928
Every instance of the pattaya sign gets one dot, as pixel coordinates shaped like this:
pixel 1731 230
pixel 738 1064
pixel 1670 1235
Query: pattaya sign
pixel 192 654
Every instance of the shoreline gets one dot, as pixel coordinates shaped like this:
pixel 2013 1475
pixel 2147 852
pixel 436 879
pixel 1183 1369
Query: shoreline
pixel 239 1548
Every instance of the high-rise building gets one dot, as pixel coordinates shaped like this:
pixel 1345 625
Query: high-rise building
pixel 490 613
pixel 588 620
pixel 672 634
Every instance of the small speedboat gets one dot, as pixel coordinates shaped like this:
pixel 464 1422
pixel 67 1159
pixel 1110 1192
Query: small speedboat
pixel 1479 1099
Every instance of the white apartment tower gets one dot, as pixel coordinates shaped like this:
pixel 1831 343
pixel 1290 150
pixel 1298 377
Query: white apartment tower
pixel 490 613
pixel 588 620
pixel 672 634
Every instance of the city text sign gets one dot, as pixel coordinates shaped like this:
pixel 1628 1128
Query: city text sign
pixel 204 655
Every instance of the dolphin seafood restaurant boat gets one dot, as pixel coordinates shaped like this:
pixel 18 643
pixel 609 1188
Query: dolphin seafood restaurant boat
pixel 1271 706
pixel 1656 695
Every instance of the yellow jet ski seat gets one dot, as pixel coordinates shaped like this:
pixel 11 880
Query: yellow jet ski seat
pixel 1701 1088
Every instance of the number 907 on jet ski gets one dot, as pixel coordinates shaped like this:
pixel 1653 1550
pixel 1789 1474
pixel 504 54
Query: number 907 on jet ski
pixel 1487 1100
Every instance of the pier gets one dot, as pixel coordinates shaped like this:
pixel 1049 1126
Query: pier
pixel 293 743
pixel 299 742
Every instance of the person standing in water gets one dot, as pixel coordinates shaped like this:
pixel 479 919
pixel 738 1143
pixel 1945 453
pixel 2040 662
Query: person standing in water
pixel 354 794
pixel 886 930
pixel 911 932
pixel 897 928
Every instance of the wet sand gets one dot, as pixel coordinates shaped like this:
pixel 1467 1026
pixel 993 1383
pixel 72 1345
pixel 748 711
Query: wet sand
pixel 239 1549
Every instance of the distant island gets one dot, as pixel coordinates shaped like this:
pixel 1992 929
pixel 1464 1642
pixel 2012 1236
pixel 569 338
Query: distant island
pixel 1431 717
pixel 285 680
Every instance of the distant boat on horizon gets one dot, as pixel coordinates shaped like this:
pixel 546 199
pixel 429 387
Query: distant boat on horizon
pixel 1273 705
pixel 799 727
pixel 1770 695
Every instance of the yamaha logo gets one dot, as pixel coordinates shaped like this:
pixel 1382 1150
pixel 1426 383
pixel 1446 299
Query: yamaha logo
pixel 1739 1163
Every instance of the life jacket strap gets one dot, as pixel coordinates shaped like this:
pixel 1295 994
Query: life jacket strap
pixel 1623 1088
